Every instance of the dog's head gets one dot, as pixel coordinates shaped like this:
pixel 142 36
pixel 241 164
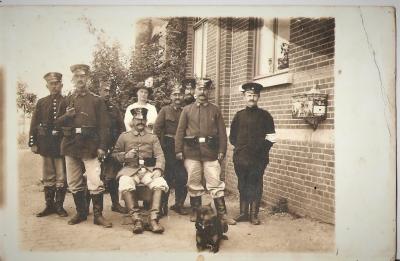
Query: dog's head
pixel 205 214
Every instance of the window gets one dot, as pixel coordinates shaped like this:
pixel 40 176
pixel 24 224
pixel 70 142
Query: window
pixel 272 47
pixel 200 48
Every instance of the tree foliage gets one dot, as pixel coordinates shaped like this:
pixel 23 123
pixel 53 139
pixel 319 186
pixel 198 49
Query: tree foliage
pixel 26 101
pixel 159 55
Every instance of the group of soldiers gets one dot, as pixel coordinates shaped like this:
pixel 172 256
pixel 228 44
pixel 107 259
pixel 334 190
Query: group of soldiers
pixel 88 147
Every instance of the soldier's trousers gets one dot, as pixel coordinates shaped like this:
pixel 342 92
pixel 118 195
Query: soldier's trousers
pixel 53 172
pixel 175 172
pixel 211 171
pixel 250 181
pixel 75 177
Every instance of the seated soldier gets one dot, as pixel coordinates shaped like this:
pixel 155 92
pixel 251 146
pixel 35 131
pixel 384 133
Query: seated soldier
pixel 143 162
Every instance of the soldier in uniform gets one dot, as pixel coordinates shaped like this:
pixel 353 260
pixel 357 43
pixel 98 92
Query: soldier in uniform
pixel 189 84
pixel 143 162
pixel 110 166
pixel 175 172
pixel 201 141
pixel 252 134
pixel 45 139
pixel 85 123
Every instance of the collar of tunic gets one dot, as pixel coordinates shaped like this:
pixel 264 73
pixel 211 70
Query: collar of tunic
pixel 136 133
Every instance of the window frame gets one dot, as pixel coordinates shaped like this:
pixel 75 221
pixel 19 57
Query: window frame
pixel 199 24
pixel 256 53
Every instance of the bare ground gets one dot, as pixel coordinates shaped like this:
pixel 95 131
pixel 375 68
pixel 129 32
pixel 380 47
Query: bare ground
pixel 277 233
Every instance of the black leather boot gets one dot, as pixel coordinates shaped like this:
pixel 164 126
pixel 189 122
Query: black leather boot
pixel 130 198
pixel 49 193
pixel 155 227
pixel 178 207
pixel 195 203
pixel 244 211
pixel 254 208
pixel 81 209
pixel 164 204
pixel 113 190
pixel 221 211
pixel 97 201
pixel 60 196
pixel 88 199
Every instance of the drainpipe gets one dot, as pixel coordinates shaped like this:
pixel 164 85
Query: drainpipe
pixel 217 67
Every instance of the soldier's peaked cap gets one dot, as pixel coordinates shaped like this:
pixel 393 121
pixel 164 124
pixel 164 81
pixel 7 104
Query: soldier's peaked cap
pixel 189 83
pixel 80 67
pixel 203 82
pixel 139 113
pixel 252 86
pixel 53 77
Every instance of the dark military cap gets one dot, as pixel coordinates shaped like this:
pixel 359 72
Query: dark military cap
pixel 177 88
pixel 139 113
pixel 80 68
pixel 53 77
pixel 203 82
pixel 252 86
pixel 189 83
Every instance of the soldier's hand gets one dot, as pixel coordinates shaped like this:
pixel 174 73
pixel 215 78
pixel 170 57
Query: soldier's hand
pixel 179 156
pixel 221 157
pixel 34 149
pixel 101 153
pixel 156 173
pixel 70 112
pixel 131 154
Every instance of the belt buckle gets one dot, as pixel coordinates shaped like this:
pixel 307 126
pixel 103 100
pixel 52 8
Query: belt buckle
pixel 141 162
pixel 78 130
pixel 202 139
pixel 54 132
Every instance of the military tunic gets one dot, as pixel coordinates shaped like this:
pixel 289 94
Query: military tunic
pixel 43 133
pixel 91 114
pixel 165 128
pixel 249 129
pixel 201 120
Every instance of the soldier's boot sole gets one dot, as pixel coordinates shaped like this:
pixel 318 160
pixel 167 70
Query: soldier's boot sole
pixel 101 221
pixel 76 219
pixel 46 212
pixel 137 227
pixel 119 209
pixel 61 212
pixel 155 227
pixel 242 218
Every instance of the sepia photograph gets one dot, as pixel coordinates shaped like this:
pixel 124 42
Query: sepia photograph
pixel 152 132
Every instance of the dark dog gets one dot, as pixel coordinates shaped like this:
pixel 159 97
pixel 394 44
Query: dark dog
pixel 209 229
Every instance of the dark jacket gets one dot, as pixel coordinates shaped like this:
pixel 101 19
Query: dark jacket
pixel 117 125
pixel 247 134
pixel 92 116
pixel 201 121
pixel 42 131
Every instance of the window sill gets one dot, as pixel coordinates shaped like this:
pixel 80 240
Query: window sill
pixel 275 79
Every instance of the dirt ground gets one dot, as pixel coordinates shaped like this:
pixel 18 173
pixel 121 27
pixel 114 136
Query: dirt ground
pixel 277 233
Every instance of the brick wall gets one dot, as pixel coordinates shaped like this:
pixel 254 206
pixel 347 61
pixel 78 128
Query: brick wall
pixel 301 165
